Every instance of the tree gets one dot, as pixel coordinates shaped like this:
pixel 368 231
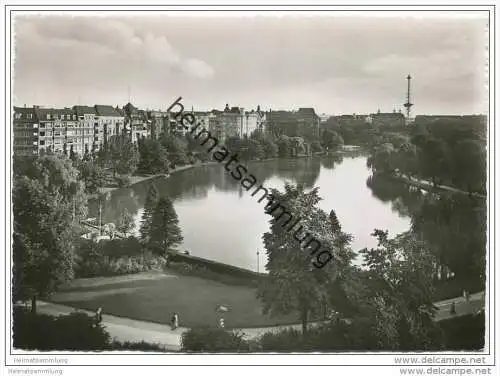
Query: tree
pixel 149 206
pixel 153 157
pixel 332 140
pixel 72 155
pixel 125 223
pixel 175 146
pixel 164 229
pixel 48 202
pixel 285 146
pixel 269 148
pixel 399 285
pixel 120 154
pixel 382 159
pixel 470 165
pixel 251 149
pixel 406 159
pixel 91 174
pixel 454 227
pixel 294 284
pixel 335 222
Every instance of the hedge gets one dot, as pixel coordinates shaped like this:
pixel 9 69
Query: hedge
pixel 73 332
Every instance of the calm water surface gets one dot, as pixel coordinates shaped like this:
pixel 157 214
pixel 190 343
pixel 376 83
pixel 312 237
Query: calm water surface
pixel 221 221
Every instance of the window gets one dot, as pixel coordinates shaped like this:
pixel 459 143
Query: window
pixel 48 116
pixel 57 133
pixel 42 134
pixel 42 142
pixel 18 115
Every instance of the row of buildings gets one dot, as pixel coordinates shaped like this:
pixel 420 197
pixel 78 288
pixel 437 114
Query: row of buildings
pixel 82 129
pixel 79 129
pixel 396 119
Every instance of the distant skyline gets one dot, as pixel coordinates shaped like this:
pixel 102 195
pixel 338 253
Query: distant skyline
pixel 338 65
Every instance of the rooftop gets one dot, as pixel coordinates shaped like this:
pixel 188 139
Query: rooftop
pixel 84 110
pixel 104 110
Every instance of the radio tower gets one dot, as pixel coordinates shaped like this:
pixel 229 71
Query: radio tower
pixel 408 104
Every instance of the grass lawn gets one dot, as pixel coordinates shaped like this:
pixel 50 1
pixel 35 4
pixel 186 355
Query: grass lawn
pixel 156 296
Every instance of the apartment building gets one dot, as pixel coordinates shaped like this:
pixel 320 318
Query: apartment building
pixel 233 122
pixel 90 137
pixel 56 130
pixel 25 131
pixel 110 122
pixel 136 122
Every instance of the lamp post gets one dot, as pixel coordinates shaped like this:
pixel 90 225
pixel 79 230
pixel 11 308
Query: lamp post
pixel 258 261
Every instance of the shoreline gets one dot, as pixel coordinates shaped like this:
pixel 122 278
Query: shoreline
pixel 426 185
pixel 136 179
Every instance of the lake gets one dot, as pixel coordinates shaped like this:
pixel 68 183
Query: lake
pixel 221 221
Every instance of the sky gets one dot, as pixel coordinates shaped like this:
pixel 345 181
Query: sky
pixel 338 65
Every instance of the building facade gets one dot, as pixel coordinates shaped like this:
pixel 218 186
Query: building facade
pixel 25 131
pixel 110 122
pixel 159 123
pixel 56 130
pixel 89 135
pixel 233 122
pixel 136 122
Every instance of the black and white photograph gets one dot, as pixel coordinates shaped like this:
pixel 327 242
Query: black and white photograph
pixel 217 185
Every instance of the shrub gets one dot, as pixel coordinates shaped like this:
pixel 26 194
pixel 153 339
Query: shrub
pixel 70 332
pixel 333 336
pixel 213 340
pixel 142 346
pixel 121 247
pixel 115 257
pixel 286 341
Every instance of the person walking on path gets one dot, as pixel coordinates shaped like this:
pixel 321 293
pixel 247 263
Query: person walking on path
pixel 467 296
pixel 453 309
pixel 98 316
pixel 174 322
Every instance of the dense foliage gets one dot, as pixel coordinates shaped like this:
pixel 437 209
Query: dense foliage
pixel 114 257
pixel 213 340
pixel 294 284
pixel 48 201
pixel 119 155
pixel 446 152
pixel 73 332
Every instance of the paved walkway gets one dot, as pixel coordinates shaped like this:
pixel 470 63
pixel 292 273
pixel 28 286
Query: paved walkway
pixel 123 329
pixel 424 184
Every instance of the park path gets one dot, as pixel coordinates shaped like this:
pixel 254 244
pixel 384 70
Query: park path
pixel 123 329
pixel 424 184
